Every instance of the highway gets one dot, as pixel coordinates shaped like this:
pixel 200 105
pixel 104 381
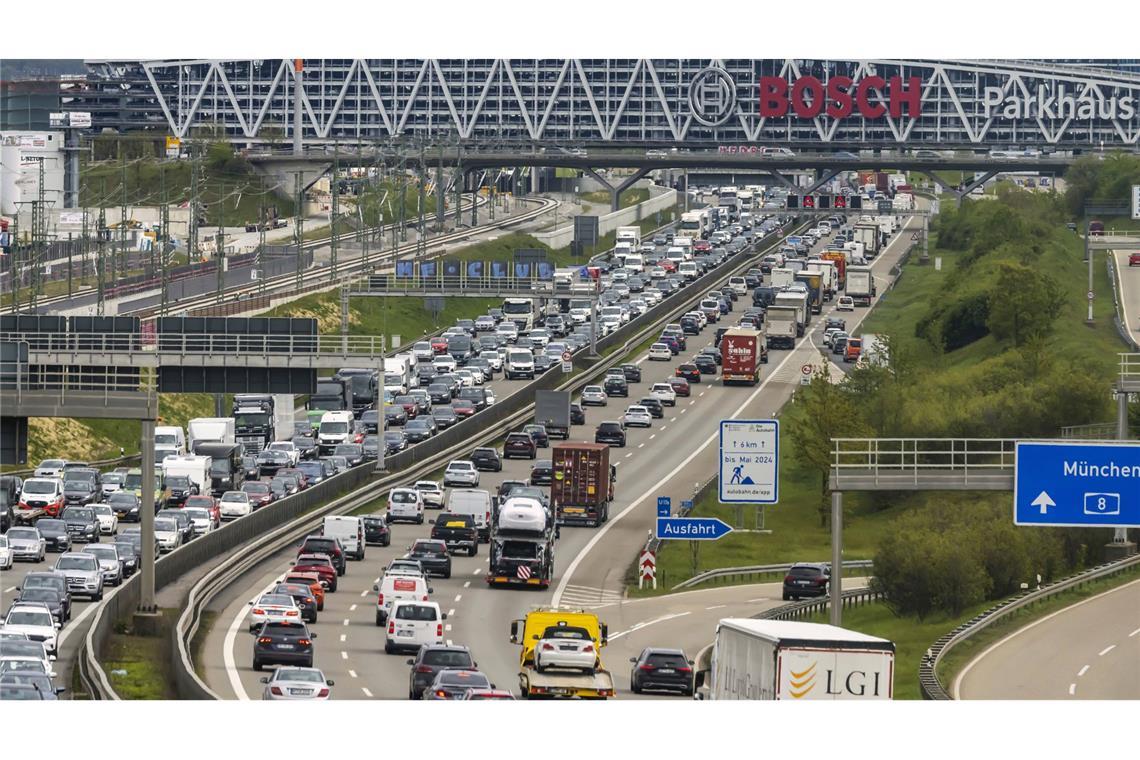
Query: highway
pixel 1089 650
pixel 668 459
pixel 1129 295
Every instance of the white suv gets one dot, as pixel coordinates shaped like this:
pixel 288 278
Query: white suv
pixel 664 393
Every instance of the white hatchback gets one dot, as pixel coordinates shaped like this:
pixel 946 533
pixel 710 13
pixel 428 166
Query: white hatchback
pixel 234 504
pixel 845 303
pixel 412 625
pixel 637 416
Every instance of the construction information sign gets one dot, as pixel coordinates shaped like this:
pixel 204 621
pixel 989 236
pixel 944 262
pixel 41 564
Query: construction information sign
pixel 750 461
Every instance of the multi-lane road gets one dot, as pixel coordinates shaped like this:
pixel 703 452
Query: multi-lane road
pixel 668 459
pixel 1129 294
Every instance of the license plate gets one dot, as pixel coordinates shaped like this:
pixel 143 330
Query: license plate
pixel 404 633
pixel 569 649
pixel 573 510
pixel 666 671
pixel 301 692
pixel 802 583
pixel 286 646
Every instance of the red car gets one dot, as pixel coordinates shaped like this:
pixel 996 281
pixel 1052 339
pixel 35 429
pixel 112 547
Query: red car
pixel 668 265
pixel 680 386
pixel 689 372
pixel 463 407
pixel 208 503
pixel 1134 259
pixel 702 246
pixel 409 404
pixel 320 564
pixel 439 345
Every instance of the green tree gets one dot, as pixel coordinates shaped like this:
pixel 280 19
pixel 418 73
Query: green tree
pixel 1023 303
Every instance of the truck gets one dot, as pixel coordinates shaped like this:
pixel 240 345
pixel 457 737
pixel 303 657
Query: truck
pixel 692 225
pixel 333 394
pixel 797 300
pixel 629 235
pixel 883 183
pixel 168 441
pixel 813 278
pixel 830 276
pixel 552 409
pixel 860 285
pixel 747 200
pixel 254 428
pixel 583 484
pixel 742 351
pixel 727 199
pixel 778 659
pixel 869 235
pixel 548 624
pixel 782 277
pixel 363 382
pixel 840 261
pixel 210 430
pixel 520 311
pixel 782 326
pixel 194 467
pixel 398 376
pixel 855 253
pixel 522 545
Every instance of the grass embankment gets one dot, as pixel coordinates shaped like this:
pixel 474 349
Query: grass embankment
pixel 630 197
pixel 137 665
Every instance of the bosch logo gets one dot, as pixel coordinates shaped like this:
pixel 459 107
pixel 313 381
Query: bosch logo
pixel 712 96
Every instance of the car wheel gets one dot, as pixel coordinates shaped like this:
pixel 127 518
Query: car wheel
pixel 448 573
pixel 387 647
pixel 98 597
pixel 474 549
pixel 257 664
pixel 785 596
pixel 420 520
pixel 379 619
pixel 321 607
pixel 332 588
pixel 387 541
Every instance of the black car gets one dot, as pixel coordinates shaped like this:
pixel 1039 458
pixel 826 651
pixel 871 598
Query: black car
pixel 679 336
pixel 577 415
pixel 804 579
pixel 55 534
pixel 505 489
pixel 180 489
pixel 430 660
pixel 395 416
pixel 371 444
pixel 705 363
pixel 653 404
pixel 616 386
pixel 81 487
pixel 249 464
pixel 433 555
pixel 353 452
pixel 307 446
pixel 52 579
pixel 476 396
pixel 42 595
pixel 611 433
pixel 520 445
pixel 452 684
pixel 690 325
pixel 720 331
pixel 81 524
pixel 632 373
pixel 539 434
pixel 395 440
pixel 302 597
pixel 315 472
pixel 457 532
pixel 129 553
pixel 283 644
pixel 689 371
pixel 542 363
pixel 666 669
pixel 487 459
pixel 837 322
pixel 712 353
pixel 270 461
pixel 542 473
pixel 376 532
pixel 444 417
pixel 439 393
pixel 418 430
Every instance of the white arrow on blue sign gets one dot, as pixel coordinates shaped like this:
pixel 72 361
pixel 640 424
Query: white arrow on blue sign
pixel 664 506
pixel 692 528
pixel 1077 484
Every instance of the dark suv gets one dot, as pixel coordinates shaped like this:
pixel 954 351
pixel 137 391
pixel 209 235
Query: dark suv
pixel 611 433
pixel 657 668
pixel 806 580
pixel 457 532
pixel 432 659
pixel 330 547
pixel 283 644
pixel 616 386
pixel 432 555
pixel 520 445
pixel 487 459
pixel 376 532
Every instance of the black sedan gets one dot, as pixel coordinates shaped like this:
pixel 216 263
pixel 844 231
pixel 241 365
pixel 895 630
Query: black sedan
pixel 632 373
pixel 395 440
pixel 487 459
pixel 542 473
pixel 836 322
pixel 270 461
pixel 713 353
pixel 302 597
pixel 653 404
pixel 690 325
pixel 432 555
pixel 439 393
pixel 371 444
pixel 705 363
pixel 690 372
pixel 444 417
pixel 577 415
pixel 125 505
pixel 616 386
pixel 664 669
pixel 307 446
pixel 395 415
pixel 376 532
pixel 452 684
pixel 283 644
pixel 353 452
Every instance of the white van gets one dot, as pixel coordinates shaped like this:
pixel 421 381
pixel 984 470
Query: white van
pixel 474 502
pixel 412 625
pixel 405 504
pixel 519 363
pixel 350 531
pixel 635 263
pixel 688 270
pixel 739 285
pixel 335 429
pixel 168 442
pixel 398 588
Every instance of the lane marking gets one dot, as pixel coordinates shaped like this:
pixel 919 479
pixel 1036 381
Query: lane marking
pixel 641 445
pixel 684 410
pixel 617 464
pixel 343 655
pixel 344 637
pixel 364 593
pixel 346 621
pixel 466 584
pixel 449 643
pixel 228 644
pixel 367 693
pixel 352 608
pixel 701 393
pixel 1134 633
pixel 1082 671
pixel 1106 650
pixel 447 628
pixel 674 419
pixel 652 436
pixel 638 626
pixel 664 428
pixel 476 572
pixel 458 597
pixel 627 456
pixel 692 402
pixel 10 589
pixel 352 673
pixel 1072 689
pixel 716 607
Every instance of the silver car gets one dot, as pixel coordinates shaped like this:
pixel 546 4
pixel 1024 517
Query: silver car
pixel 168 533
pixel 84 576
pixel 296 683
pixel 593 395
pixel 109 562
pixel 461 472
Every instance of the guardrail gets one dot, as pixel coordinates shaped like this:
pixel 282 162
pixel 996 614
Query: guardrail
pixel 1130 368
pixel 954 463
pixel 732 574
pixel 1095 431
pixel 185 344
pixel 37 378
pixel 851 598
pixel 1118 312
pixel 929 684
pixel 422 458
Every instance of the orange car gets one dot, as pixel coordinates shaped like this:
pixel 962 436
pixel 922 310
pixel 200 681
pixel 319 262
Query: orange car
pixel 312 580
pixel 853 350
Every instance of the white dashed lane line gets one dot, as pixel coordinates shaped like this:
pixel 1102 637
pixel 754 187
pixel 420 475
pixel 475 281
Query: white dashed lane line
pixel 343 655
pixel 476 572
pixel 641 445
pixel 458 597
pixel 367 693
pixel 343 637
pixel 364 593
pixel 451 612
pixel 352 673
pixel 1106 650
pixel 1072 689
pixel 652 436
pixel 1082 671
pixel 466 584
pixel 352 608
pixel 346 621
pixel 627 456
pixel 1134 633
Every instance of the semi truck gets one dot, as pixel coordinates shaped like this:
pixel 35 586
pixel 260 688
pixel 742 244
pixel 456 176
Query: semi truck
pixel 840 261
pixel 521 312
pixel 860 285
pixel 777 659
pixel 333 394
pixel 522 545
pixel 583 484
pixel 552 410
pixel 742 351
pixel 363 384
pixel 782 326
pixel 813 278
pixel 210 430
pixel 692 225
pixel 797 300
pixel 546 627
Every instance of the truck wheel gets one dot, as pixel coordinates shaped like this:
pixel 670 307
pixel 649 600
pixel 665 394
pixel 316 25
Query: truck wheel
pixel 474 549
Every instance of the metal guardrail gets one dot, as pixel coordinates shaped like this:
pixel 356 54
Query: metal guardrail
pixel 955 463
pixel 737 573
pixel 1118 312
pixel 1130 368
pixel 1096 431
pixel 932 688
pixel 28 379
pixel 796 610
pixel 123 345
pixel 383 285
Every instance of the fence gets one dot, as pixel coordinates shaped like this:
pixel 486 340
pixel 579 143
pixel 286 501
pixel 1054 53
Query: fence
pixel 809 607
pixel 735 574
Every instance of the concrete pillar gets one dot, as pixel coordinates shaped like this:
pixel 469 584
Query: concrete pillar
pixel 146 517
pixel 836 617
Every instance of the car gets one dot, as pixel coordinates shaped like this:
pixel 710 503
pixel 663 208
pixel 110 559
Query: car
pixel 806 579
pixel 520 445
pixel 234 504
pixel 453 683
pixel 542 472
pixel 681 386
pixel 444 417
pixel 209 504
pixel 431 660
pixel 664 392
pixel 83 573
pixel 689 372
pixel 26 544
pixel 6 558
pixel 291 683
pixel 376 532
pixel 835 322
pixel 577 415
pixel 632 373
pixel 705 363
pixel 112 482
pixel 44 595
pixel 319 564
pixel 838 342
pixel 616 385
pixel 412 624
pixel 108 523
pixel 200 520
pixel 353 452
pixel 845 303
pixel 283 643
pixel 396 416
pixel 109 562
pixel 672 342
pixel 1134 259
pixel 431 492
pixel 273 607
pixel 461 472
pixel 637 415
pixel 50 468
pixel 653 406
pixel 539 434
pixel 405 504
pixel 302 596
pixel 566 646
pixel 610 432
pixel 660 352
pixel 18 646
pixel 168 533
pixel 54 533
pixel 661 669
pixel 330 546
pixel 487 459
pixel 464 408
pixel 35 621
pixel 594 395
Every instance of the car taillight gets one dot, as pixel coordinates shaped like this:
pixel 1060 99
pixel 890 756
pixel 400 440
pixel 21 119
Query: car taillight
pixel 265 640
pixel 820 581
pixel 441 693
pixel 439 629
pixel 788 579
pixel 305 642
pixel 425 597
pixel 684 670
pixel 646 667
pixel 276 690
pixel 257 611
pixel 548 647
pixel 588 648
pixel 323 693
pixel 291 613
pixel 380 598
pixel 423 669
pixel 391 627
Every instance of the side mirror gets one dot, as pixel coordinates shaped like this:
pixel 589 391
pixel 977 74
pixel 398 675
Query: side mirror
pixel 249 603
pixel 51 658
pixel 444 615
pixel 690 662
pixel 536 637
pixel 264 679
pixel 700 680
pixel 330 682
pixel 605 633
pixel 313 635
pixel 411 661
pixel 375 586
pixel 634 660
pixel 57 626
pixel 431 590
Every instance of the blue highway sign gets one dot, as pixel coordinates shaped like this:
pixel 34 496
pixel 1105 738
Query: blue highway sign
pixel 692 528
pixel 664 506
pixel 1077 484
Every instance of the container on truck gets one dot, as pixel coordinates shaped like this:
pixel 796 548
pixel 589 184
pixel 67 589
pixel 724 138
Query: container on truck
pixel 552 409
pixel 742 351
pixel 192 466
pixel 813 278
pixel 782 326
pixel 631 236
pixel 870 236
pixel 839 260
pixel 826 268
pixel 210 430
pixel 778 659
pixel 545 627
pixel 860 285
pixel 797 300
pixel 582 487
pixel 782 277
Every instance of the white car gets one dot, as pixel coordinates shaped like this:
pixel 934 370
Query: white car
pixel 830 333
pixel 405 504
pixel 660 352
pixel 6 557
pixel 566 647
pixel 200 518
pixel 34 621
pixel 845 303
pixel 112 481
pixel 289 448
pixel 461 472
pixel 25 649
pixel 273 608
pixel 466 379
pixel 109 563
pixel 509 331
pixel 234 504
pixel 431 492
pixel 485 323
pixel 594 395
pixel 539 337
pixel 288 682
pixel 168 533
pixel 444 364
pixel 412 625
pixel 609 324
pixel 50 468
pixel 637 416
pixel 108 522
pixel 26 543
pixel 494 358
pixel 664 393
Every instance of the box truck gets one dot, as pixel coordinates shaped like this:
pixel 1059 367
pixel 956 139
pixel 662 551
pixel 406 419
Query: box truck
pixel 210 430
pixel 631 236
pixel 860 285
pixel 797 300
pixel 552 409
pixel 583 483
pixel 778 659
pixel 782 326
pixel 813 278
pixel 742 351
pixel 782 277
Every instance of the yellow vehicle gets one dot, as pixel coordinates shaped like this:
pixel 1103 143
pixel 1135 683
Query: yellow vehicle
pixel 561 654
pixel 133 484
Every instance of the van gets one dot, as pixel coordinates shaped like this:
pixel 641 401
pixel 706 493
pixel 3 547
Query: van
pixel 635 263
pixel 398 587
pixel 739 285
pixel 412 625
pixel 335 429
pixel 519 363
pixel 168 441
pixel 350 531
pixel 688 270
pixel 474 502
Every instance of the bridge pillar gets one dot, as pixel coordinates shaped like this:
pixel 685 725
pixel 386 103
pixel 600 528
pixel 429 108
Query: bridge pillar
pixel 284 173
pixel 836 582
pixel 616 191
